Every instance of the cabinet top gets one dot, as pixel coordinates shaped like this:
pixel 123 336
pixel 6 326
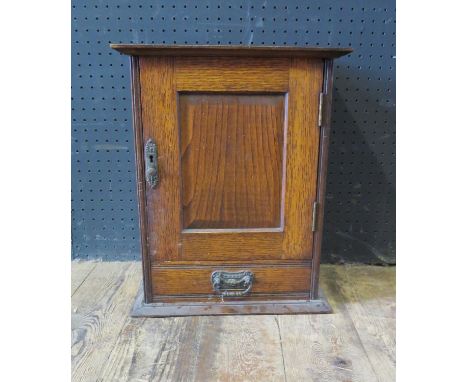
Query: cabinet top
pixel 229 50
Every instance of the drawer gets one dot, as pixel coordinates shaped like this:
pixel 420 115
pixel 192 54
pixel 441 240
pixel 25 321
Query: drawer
pixel 199 281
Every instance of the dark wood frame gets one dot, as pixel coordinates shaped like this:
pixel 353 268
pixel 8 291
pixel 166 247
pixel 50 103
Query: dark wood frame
pixel 139 164
pixel 229 51
pixel 327 91
pixel 317 303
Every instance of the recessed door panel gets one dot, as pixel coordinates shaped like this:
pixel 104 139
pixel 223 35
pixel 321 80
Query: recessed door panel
pixel 231 157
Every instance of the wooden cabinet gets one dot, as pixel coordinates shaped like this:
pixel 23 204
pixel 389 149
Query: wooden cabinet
pixel 231 154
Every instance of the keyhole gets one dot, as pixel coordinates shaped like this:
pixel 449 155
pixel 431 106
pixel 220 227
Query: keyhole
pixel 151 158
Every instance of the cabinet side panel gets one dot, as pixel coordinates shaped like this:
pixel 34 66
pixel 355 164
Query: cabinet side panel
pixel 138 138
pixel 159 118
pixel 322 174
pixel 305 85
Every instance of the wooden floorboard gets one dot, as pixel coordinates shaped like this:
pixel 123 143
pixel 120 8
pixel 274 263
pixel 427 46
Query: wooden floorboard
pixel 370 300
pixel 100 307
pixel 325 347
pixel 355 343
pixel 81 270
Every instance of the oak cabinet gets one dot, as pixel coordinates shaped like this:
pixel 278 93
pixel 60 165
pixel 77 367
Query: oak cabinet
pixel 231 155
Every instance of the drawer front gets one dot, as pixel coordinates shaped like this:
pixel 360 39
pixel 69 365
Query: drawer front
pixel 258 280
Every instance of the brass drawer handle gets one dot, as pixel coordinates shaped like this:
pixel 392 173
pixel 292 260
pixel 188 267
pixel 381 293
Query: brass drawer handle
pixel 232 284
pixel 151 163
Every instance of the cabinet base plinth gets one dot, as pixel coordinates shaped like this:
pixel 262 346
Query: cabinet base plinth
pixel 141 309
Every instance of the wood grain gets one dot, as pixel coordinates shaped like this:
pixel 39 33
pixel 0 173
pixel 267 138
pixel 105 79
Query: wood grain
pixel 325 347
pixel 82 270
pixel 197 281
pixel 99 309
pixel 327 90
pixel 300 167
pixel 175 306
pixel 246 193
pixel 201 263
pixel 220 74
pixel 209 305
pixel 193 349
pixel 140 174
pixel 238 144
pixel 274 306
pixel 108 345
pixel 370 301
pixel 231 150
pixel 139 352
pixel 229 51
pixel 159 119
pixel 246 351
pixel 305 80
pixel 223 246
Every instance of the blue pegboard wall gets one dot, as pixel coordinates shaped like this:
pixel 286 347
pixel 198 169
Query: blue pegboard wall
pixel 360 211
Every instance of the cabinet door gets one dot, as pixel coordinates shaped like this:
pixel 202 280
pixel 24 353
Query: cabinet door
pixel 238 143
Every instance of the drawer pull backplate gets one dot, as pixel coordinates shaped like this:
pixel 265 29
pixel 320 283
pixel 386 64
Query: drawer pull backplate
pixel 232 284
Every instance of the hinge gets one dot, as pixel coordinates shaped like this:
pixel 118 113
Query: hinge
pixel 314 216
pixel 320 109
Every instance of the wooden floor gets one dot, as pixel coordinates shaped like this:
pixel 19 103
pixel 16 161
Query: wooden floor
pixel 356 343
